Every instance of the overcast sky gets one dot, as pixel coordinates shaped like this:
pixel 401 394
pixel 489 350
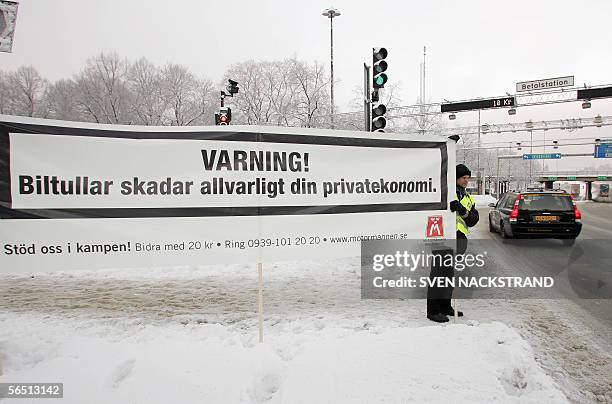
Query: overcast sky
pixel 474 48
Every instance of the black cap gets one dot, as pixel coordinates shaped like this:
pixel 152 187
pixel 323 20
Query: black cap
pixel 463 170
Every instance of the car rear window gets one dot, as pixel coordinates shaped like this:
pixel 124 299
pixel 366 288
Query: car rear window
pixel 545 202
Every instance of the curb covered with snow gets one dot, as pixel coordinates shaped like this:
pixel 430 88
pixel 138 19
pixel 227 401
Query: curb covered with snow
pixel 483 200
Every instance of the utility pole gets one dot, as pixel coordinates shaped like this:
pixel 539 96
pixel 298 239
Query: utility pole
pixel 497 176
pixel 422 108
pixel 543 160
pixel 509 162
pixel 424 54
pixel 530 161
pixel 331 13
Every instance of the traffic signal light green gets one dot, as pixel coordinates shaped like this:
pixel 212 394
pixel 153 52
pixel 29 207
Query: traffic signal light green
pixel 379 66
pixel 380 80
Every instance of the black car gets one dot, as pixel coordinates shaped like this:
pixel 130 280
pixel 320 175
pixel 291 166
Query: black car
pixel 536 214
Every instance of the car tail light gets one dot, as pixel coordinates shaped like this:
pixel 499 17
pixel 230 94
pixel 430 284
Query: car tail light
pixel 514 213
pixel 577 214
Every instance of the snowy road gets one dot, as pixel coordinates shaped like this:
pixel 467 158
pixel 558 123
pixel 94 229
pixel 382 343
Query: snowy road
pixel 308 306
pixel 572 337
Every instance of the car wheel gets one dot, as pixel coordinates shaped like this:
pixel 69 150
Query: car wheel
pixel 491 228
pixel 502 230
pixel 568 241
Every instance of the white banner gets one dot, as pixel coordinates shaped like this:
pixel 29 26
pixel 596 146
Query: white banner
pixel 94 196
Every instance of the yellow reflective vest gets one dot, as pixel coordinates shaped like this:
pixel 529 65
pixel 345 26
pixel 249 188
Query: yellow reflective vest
pixel 468 203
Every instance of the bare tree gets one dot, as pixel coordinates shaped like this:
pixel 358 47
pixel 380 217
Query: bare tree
pixel 190 100
pixel 311 99
pixel 103 92
pixel 26 91
pixel 110 89
pixel 148 102
pixel 288 92
pixel 279 92
pixel 205 103
pixel 5 96
pixel 256 89
pixel 61 101
pixel 425 121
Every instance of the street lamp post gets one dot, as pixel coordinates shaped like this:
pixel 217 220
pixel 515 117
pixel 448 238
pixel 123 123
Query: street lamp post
pixel 544 131
pixel 478 160
pixel 331 13
pixel 530 161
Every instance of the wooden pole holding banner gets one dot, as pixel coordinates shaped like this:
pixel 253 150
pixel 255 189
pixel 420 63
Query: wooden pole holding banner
pixel 456 309
pixel 259 267
pixel 260 300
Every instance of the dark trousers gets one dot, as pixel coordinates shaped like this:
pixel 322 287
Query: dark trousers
pixel 439 297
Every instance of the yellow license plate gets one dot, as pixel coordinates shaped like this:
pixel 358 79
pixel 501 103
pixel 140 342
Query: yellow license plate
pixel 546 218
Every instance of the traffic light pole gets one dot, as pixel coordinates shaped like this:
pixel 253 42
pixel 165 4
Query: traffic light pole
pixel 224 116
pixel 367 101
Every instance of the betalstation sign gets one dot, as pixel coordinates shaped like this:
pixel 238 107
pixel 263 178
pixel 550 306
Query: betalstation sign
pixel 545 84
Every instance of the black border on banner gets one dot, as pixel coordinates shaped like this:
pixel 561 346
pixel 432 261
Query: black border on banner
pixel 7 212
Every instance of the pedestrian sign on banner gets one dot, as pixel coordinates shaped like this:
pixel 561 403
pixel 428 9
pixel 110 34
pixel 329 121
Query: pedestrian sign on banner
pixel 602 177
pixel 571 177
pixel 541 156
pixel 552 178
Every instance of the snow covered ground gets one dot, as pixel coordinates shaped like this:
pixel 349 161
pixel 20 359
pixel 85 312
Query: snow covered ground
pixel 307 361
pixel 189 335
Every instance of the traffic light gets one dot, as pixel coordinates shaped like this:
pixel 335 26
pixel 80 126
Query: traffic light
pixel 224 116
pixel 232 87
pixel 379 66
pixel 379 78
pixel 378 120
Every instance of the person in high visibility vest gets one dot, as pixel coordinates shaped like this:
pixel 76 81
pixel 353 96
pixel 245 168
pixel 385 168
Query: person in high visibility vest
pixel 465 206
pixel 439 298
